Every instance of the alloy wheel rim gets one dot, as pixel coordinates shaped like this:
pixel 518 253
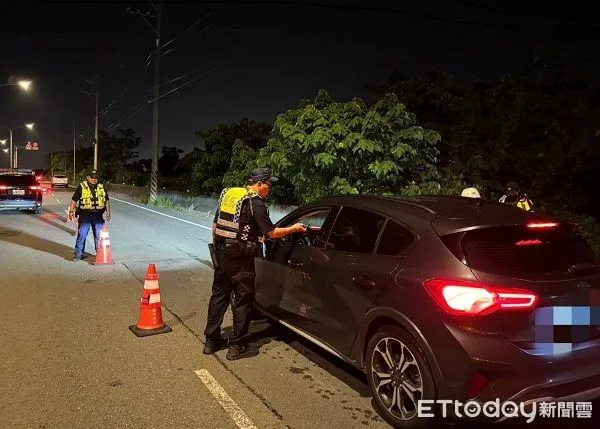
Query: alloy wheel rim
pixel 397 378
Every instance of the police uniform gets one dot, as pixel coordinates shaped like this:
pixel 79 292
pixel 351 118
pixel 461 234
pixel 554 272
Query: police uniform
pixel 90 206
pixel 521 201
pixel 242 219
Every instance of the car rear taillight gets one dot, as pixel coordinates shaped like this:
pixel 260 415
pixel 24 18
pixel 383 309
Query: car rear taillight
pixel 534 242
pixel 35 188
pixel 542 225
pixel 471 298
pixel 3 187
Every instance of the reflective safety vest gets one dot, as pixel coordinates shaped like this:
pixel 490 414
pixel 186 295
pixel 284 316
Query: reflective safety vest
pixel 524 203
pixel 230 207
pixel 87 200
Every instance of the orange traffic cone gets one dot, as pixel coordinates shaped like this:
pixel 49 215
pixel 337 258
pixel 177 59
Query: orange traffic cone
pixel 104 253
pixel 150 321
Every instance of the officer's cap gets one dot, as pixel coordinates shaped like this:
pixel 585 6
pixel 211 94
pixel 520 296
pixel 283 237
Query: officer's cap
pixel 94 174
pixel 262 175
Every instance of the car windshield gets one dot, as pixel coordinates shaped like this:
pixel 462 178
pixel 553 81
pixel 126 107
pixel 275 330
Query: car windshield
pixel 521 252
pixel 16 180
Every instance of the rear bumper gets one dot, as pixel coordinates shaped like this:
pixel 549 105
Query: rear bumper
pixel 574 390
pixel 515 376
pixel 19 204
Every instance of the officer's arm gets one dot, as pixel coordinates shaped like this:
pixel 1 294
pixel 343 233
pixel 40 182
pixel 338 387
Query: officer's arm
pixel 214 226
pixel 284 232
pixel 75 199
pixel 266 226
pixel 107 208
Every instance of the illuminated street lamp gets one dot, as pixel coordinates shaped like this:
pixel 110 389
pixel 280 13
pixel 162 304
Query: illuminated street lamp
pixel 29 126
pixel 25 85
pixel 3 142
pixel 5 150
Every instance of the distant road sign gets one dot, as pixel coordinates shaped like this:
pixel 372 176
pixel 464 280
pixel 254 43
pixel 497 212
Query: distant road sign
pixel 28 146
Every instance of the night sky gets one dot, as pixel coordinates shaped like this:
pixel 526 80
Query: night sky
pixel 265 57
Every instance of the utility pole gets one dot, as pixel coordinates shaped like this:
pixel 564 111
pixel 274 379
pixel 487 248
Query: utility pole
pixel 74 152
pixel 93 93
pixel 96 130
pixel 155 118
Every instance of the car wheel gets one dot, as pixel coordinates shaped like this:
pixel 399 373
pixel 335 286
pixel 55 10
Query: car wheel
pixel 399 377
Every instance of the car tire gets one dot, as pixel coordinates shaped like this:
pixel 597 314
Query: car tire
pixel 416 375
pixel 37 210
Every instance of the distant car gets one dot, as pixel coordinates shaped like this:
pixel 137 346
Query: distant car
pixel 60 180
pixel 20 192
pixel 440 298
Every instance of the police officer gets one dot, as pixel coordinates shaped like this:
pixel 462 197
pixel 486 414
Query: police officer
pixel 241 222
pixel 90 200
pixel 514 196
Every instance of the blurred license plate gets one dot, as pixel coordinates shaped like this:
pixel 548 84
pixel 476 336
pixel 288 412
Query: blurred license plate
pixel 18 192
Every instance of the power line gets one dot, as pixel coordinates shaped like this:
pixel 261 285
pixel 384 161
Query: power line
pixel 193 80
pixel 146 103
pixel 190 28
pixel 148 60
pixel 520 13
pixel 387 10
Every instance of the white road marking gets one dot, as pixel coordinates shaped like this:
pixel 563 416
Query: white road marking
pixel 235 412
pixel 162 214
pixel 57 201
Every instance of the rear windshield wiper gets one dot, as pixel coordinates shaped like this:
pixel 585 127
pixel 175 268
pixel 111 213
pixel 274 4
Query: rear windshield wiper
pixel 576 268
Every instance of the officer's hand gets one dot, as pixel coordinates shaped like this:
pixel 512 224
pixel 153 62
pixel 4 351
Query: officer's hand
pixel 71 216
pixel 108 217
pixel 299 227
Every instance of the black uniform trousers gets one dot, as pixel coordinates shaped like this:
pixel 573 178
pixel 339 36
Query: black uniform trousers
pixel 235 274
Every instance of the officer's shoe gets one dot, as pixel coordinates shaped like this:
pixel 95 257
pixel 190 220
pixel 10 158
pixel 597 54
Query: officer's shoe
pixel 213 345
pixel 75 259
pixel 239 351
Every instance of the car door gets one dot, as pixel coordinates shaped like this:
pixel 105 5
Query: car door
pixel 280 275
pixel 348 276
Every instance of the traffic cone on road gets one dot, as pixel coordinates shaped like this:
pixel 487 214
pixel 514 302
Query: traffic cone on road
pixel 104 252
pixel 150 321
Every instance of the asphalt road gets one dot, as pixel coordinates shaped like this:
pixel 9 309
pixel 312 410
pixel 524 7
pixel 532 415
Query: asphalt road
pixel 68 359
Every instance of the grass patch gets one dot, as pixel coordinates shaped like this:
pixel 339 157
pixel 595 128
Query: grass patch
pixel 163 202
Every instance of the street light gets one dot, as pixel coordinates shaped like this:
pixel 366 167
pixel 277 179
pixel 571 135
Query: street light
pixel 5 150
pixel 23 84
pixel 29 126
pixel 3 142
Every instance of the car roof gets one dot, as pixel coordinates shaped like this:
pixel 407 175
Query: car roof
pixel 447 213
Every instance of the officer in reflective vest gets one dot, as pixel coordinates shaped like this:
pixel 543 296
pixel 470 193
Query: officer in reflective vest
pixel 241 222
pixel 515 197
pixel 88 204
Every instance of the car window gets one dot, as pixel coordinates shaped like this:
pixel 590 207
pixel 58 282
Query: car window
pixel 11 180
pixel 395 239
pixel 356 231
pixel 317 231
pixel 532 254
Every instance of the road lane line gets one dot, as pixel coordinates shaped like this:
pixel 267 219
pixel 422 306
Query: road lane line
pixel 162 214
pixel 57 201
pixel 235 412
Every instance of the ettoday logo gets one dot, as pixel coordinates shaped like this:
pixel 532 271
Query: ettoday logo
pixel 505 410
pixel 471 409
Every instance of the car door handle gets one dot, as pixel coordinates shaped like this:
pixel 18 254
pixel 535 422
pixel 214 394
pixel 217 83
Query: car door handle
pixel 363 281
pixel 294 263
